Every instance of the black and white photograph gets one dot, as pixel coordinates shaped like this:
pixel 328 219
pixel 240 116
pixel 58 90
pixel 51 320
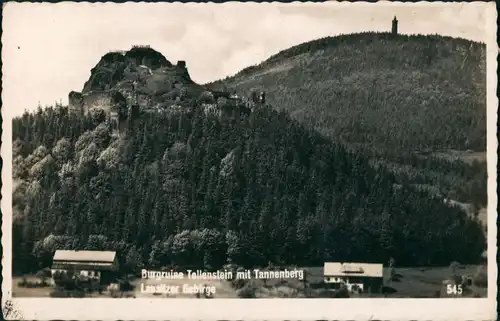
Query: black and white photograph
pixel 297 156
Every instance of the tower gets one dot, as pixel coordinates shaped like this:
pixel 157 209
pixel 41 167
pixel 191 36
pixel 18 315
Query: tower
pixel 76 102
pixel 394 26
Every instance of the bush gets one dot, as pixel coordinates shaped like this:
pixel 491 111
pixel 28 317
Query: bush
pixel 59 293
pixel 223 103
pixel 308 293
pixel 78 293
pixel 317 285
pixel 24 283
pixel 481 277
pixel 238 283
pixel 65 280
pixel 37 284
pixel 466 281
pixel 388 290
pixel 456 279
pixel 207 97
pixel 392 273
pixel 395 278
pixel 287 292
pixel 454 267
pixel 249 291
pixel 115 294
pixel 125 285
pixel 326 294
pixel 45 272
pixel 233 268
pixel 341 293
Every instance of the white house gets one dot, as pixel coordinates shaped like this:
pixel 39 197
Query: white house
pixel 357 277
pixel 100 266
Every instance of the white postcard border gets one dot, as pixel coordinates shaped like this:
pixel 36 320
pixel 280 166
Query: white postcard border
pixel 263 309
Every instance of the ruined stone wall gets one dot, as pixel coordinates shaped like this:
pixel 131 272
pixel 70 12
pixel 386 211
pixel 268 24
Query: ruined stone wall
pixel 144 101
pixel 75 102
pixel 100 99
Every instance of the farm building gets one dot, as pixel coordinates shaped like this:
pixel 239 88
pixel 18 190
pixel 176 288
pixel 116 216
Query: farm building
pixel 357 277
pixel 101 266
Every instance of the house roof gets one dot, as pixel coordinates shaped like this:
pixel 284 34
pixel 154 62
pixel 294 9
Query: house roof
pixel 85 256
pixel 353 269
pixel 68 265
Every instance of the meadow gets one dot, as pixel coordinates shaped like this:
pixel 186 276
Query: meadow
pixel 412 282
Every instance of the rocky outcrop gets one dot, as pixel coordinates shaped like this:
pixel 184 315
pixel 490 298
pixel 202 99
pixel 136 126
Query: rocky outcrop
pixel 115 67
pixel 107 73
pixel 117 98
pixel 146 56
pixel 144 78
pixel 141 70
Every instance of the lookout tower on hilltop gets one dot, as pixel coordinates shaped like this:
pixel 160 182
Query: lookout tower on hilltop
pixel 394 26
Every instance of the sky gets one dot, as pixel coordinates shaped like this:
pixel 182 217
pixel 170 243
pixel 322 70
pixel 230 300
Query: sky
pixel 49 49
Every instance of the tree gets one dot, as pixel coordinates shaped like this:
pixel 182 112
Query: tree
pixel 133 260
pixel 191 189
pixel 454 266
pixel 392 268
pixel 182 248
pixel 233 247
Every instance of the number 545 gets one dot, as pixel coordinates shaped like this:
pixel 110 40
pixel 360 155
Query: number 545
pixel 454 289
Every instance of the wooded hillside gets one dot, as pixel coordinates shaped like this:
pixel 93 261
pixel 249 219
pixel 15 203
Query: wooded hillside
pixel 191 189
pixel 384 93
pixel 397 99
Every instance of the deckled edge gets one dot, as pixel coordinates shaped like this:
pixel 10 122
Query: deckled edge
pixel 12 308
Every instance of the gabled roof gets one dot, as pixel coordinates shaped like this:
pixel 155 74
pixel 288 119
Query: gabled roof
pixel 353 269
pixel 85 256
pixel 90 266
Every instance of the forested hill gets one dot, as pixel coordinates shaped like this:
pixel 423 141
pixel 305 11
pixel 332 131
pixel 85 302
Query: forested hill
pixel 193 189
pixel 381 92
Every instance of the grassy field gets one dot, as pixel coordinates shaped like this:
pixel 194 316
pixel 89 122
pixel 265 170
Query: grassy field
pixel 419 282
pixel 465 156
pixel 18 291
pixel 222 287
